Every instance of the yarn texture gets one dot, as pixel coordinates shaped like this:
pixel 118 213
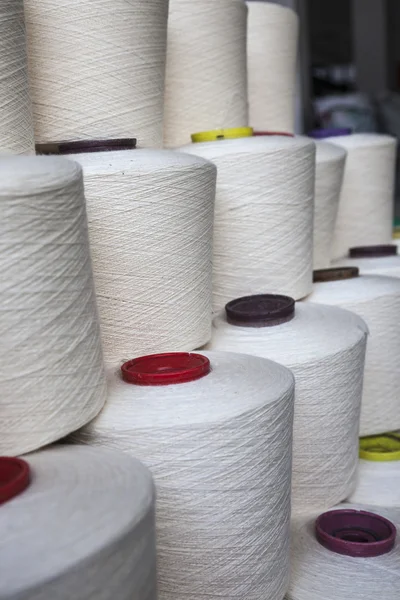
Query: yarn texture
pixel 97 69
pixel 272 40
pixel 206 78
pixel 16 123
pixel 263 215
pixel 219 449
pixel 378 483
pixel 382 265
pixel 51 364
pixel 83 529
pixel 150 225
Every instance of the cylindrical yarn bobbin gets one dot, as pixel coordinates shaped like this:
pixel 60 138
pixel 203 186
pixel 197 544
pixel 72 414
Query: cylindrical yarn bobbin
pixel 16 123
pixel 206 75
pixel 150 225
pixel 272 40
pixel 320 573
pixel 51 365
pixel 263 227
pixel 373 260
pixel 83 528
pixel 97 69
pixel 325 349
pixel 377 300
pixel 220 450
pixel 329 168
pixel 379 471
pixel 367 197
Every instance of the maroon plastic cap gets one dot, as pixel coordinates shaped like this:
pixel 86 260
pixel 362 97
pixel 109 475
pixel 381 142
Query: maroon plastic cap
pixel 373 251
pixel 97 146
pixel 335 274
pixel 285 133
pixel 263 310
pixel 14 477
pixel 164 369
pixel 355 533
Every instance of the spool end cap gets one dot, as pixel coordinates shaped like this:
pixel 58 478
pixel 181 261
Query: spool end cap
pixel 320 134
pixel 166 369
pixel 373 251
pixel 261 310
pixel 335 274
pixel 14 477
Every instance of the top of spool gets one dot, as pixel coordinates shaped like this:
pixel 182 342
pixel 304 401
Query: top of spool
pixel 335 274
pixel 380 448
pixel 14 477
pixel 320 134
pixel 166 369
pixel 262 310
pixel 373 251
pixel 222 134
pixel 355 533
pixel 285 133
pixel 97 146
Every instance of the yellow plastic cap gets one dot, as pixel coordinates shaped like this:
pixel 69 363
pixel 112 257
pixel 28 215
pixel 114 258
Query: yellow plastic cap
pixel 380 448
pixel 222 134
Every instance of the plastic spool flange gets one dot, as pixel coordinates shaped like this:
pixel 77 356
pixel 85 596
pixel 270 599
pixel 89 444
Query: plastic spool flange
pixel 373 251
pixel 262 310
pixel 320 134
pixel 222 134
pixel 335 274
pixel 97 146
pixel 166 369
pixel 14 477
pixel 380 448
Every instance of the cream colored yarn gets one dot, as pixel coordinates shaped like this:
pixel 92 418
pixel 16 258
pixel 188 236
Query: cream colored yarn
pixel 51 366
pixel 16 124
pixel 378 483
pixel 97 69
pixel 272 40
pixel 380 265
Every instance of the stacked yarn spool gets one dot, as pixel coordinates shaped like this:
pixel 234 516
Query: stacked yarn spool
pixel 206 78
pixel 263 226
pixel 325 348
pixel 76 522
pixel 215 429
pixel 272 39
pixel 97 69
pixel 374 260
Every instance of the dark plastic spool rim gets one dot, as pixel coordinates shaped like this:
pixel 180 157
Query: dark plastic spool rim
pixel 262 133
pixel 97 146
pixel 261 310
pixel 335 274
pixel 328 132
pixel 373 251
pixel 14 477
pixel 165 369
pixel 355 533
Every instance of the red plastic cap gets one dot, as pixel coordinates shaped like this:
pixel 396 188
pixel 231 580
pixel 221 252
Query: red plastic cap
pixel 164 369
pixel 373 251
pixel 285 133
pixel 262 310
pixel 355 533
pixel 14 477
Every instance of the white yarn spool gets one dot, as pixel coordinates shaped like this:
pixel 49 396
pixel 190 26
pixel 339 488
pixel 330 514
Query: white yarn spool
pixel 150 225
pixel 82 529
pixel 220 451
pixel 97 69
pixel 325 348
pixel 206 77
pixel 263 215
pixel 377 300
pixel 16 124
pixel 384 263
pixel 272 39
pixel 51 365
pixel 329 168
pixel 367 197
pixel 318 573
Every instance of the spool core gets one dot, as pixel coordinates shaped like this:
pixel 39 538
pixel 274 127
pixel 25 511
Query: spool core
pixel 373 251
pixel 14 477
pixel 285 133
pixel 262 310
pixel 355 533
pixel 222 134
pixel 320 134
pixel 335 274
pixel 380 448
pixel 97 146
pixel 165 369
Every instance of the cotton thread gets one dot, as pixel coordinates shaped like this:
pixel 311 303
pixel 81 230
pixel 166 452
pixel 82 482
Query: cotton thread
pixel 51 367
pixel 383 265
pixel 150 226
pixel 97 69
pixel 206 77
pixel 16 124
pixel 219 449
pixel 263 216
pixel 272 40
pixel 83 529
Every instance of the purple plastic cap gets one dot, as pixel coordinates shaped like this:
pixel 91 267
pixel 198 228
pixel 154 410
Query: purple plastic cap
pixel 355 533
pixel 263 310
pixel 320 134
pixel 373 251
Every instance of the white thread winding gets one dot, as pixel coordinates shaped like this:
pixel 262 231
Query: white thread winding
pixel 150 225
pixel 206 77
pixel 83 529
pixel 97 69
pixel 324 348
pixel 381 265
pixel 378 483
pixel 329 168
pixel 263 215
pixel 272 39
pixel 51 365
pixel 219 449
pixel 366 201
pixel 16 123
pixel 377 300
